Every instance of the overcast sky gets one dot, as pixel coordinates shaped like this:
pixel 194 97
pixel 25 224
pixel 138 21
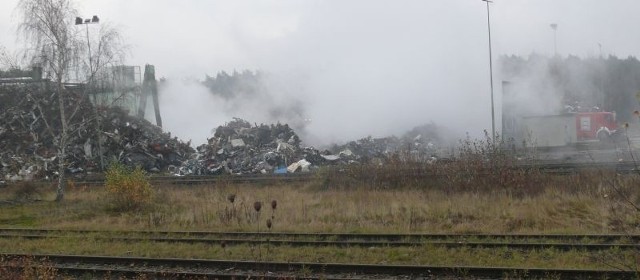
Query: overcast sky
pixel 363 67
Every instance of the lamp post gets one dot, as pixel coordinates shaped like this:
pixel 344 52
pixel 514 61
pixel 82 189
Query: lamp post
pixel 493 118
pixel 554 26
pixel 600 48
pixel 86 22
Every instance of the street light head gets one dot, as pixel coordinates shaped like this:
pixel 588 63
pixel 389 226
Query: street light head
pixel 95 19
pixel 488 1
pixel 78 20
pixel 554 26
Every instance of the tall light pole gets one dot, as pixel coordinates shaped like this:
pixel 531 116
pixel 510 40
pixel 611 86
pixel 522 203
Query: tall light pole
pixel 493 118
pixel 554 26
pixel 86 22
pixel 600 48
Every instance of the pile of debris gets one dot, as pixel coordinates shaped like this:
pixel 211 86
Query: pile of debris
pixel 241 148
pixel 137 142
pixel 30 130
pixel 419 145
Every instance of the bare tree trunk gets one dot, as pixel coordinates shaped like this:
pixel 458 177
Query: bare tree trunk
pixel 61 171
pixel 62 145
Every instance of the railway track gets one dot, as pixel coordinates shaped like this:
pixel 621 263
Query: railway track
pixel 171 268
pixel 546 167
pixel 207 179
pixel 368 244
pixel 510 241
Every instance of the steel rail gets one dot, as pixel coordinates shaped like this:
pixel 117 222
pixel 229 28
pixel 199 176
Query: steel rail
pixel 130 273
pixel 548 168
pixel 316 243
pixel 202 179
pixel 201 265
pixel 633 238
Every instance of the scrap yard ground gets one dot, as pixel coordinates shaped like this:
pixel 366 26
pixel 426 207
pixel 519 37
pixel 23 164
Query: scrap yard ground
pixel 392 185
pixel 588 202
pixel 313 140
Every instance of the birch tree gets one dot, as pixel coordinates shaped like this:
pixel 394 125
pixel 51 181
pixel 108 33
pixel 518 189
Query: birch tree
pixel 57 45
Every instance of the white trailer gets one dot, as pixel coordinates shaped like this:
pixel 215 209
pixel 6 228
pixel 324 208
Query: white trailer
pixel 549 131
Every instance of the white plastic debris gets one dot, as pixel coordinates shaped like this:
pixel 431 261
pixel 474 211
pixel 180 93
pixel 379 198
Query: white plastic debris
pixel 87 148
pixel 237 143
pixel 304 165
pixel 293 167
pixel 330 157
pixel 282 146
pixel 301 165
pixel 346 153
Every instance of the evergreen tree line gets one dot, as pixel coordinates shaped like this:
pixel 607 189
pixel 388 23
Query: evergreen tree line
pixel 610 83
pixel 238 84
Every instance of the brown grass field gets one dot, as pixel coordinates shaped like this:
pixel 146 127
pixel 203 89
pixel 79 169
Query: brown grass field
pixel 581 203
pixel 469 197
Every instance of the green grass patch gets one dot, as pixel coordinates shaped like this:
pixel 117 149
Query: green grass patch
pixel 21 220
pixel 419 255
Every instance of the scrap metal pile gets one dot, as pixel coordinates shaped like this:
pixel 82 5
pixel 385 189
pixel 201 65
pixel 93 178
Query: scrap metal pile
pixel 382 150
pixel 242 148
pixel 418 144
pixel 30 132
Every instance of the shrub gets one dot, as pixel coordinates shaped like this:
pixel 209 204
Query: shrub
pixel 27 191
pixel 128 189
pixel 480 165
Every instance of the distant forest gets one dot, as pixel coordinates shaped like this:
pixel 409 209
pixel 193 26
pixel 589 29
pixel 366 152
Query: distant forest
pixel 251 91
pixel 608 83
pixel 238 84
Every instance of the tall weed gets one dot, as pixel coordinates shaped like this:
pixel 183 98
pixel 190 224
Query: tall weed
pixel 127 189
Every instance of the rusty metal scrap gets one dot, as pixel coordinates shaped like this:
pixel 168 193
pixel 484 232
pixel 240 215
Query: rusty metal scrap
pixel 30 129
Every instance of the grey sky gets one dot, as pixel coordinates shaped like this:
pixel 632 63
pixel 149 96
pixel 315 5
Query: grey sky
pixel 363 67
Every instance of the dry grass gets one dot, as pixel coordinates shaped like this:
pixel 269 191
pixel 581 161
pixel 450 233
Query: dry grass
pixel 303 207
pixel 478 192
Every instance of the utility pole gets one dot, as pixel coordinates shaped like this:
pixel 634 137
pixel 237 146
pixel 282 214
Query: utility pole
pixel 493 118
pixel 86 22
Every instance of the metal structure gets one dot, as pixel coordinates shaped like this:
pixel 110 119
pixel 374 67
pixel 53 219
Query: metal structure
pixel 123 87
pixel 549 131
pixel 118 86
pixel 493 118
pixel 149 86
pixel 86 22
pixel 21 76
pixel 179 268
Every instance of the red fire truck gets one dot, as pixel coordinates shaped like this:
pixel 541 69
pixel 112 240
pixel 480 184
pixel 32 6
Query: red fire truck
pixel 566 129
pixel 595 125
